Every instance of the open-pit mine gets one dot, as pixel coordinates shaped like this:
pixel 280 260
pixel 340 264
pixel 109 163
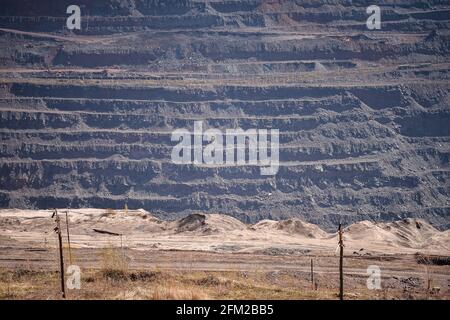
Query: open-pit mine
pixel 89 115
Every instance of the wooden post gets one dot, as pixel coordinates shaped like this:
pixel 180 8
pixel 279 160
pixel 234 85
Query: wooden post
pixel 341 264
pixel 61 257
pixel 312 273
pixel 68 237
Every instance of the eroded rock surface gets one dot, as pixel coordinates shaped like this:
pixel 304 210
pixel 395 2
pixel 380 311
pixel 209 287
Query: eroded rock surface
pixel 86 116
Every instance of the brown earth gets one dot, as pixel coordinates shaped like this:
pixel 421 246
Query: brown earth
pixel 216 256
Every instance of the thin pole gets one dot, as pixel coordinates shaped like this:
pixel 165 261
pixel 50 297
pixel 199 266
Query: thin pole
pixel 121 249
pixel 61 257
pixel 68 237
pixel 312 273
pixel 341 264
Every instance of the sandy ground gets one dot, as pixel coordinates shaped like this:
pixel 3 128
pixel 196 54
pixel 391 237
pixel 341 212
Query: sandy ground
pixel 217 244
pixel 138 229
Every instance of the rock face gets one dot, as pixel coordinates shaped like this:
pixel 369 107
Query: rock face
pixel 86 116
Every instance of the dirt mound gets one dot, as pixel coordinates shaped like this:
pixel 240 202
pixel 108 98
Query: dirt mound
pixel 124 221
pixel 410 233
pixel 293 227
pixel 208 224
pixel 191 223
pixel 222 233
pixel 440 240
pixel 363 229
pixel 224 222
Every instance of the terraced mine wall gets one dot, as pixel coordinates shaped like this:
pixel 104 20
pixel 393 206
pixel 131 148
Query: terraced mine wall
pixel 86 116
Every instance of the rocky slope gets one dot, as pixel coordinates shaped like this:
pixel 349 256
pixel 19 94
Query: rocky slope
pixel 86 116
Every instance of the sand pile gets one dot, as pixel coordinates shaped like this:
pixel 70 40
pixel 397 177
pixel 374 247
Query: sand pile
pixel 208 231
pixel 365 230
pixel 411 232
pixel 207 224
pixel 192 222
pixel 440 240
pixel 408 233
pixel 293 227
pixel 117 221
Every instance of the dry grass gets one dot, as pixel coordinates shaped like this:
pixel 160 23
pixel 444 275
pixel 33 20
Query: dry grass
pixel 166 292
pixel 117 283
pixel 114 263
pixel 174 293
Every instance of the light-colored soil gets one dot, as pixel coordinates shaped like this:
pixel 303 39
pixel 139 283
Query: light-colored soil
pixel 268 260
pixel 220 233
